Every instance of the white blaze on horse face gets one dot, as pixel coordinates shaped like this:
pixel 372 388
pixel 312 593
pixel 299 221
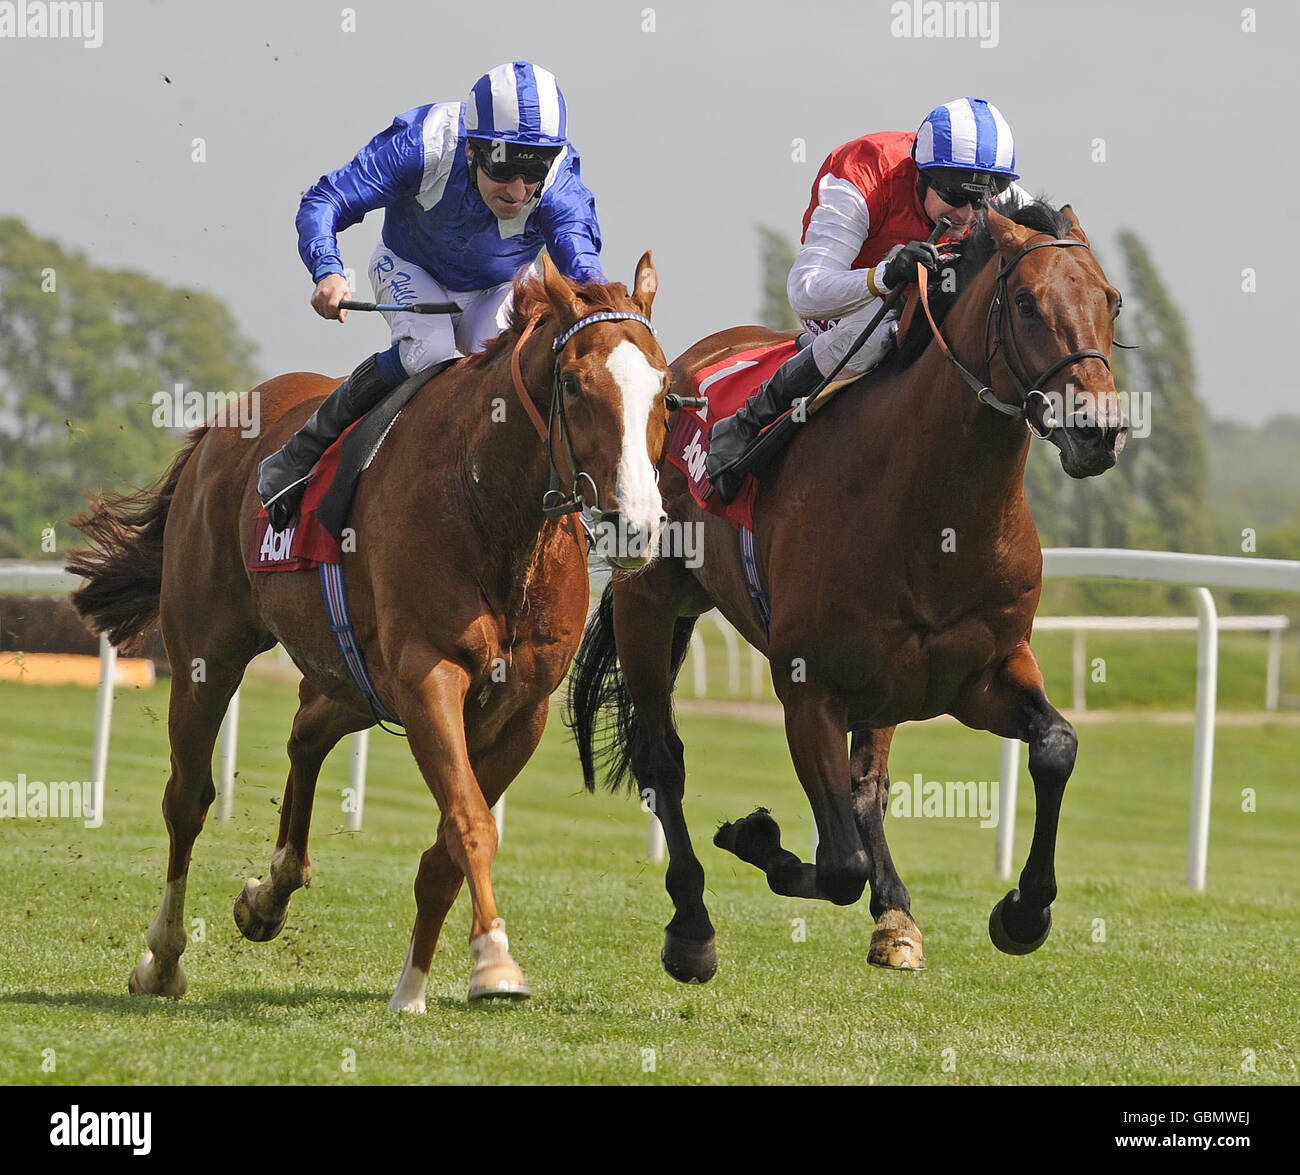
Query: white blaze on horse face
pixel 637 488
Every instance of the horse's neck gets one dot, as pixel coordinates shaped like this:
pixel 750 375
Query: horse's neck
pixel 501 466
pixel 983 451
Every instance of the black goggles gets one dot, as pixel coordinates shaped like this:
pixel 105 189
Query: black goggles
pixel 959 195
pixel 532 168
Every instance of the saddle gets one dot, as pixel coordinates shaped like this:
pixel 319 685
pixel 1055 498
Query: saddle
pixel 315 534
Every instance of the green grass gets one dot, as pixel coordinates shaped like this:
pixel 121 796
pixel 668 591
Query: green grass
pixel 1181 986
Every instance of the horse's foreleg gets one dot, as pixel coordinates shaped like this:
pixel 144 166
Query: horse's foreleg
pixel 438 881
pixel 644 624
pixel 1010 701
pixel 431 703
pixel 896 941
pixel 262 906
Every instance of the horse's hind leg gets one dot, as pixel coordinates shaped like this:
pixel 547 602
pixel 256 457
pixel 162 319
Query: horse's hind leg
pixel 439 878
pixel 262 906
pixel 646 626
pixel 896 941
pixel 816 736
pixel 194 719
pixel 1010 701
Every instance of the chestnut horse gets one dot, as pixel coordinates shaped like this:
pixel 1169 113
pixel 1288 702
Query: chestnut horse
pixel 903 570
pixel 467 601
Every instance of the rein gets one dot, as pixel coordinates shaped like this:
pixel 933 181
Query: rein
pixel 555 503
pixel 1028 388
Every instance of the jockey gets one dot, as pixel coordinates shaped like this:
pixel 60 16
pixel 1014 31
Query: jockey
pixel 874 202
pixel 471 191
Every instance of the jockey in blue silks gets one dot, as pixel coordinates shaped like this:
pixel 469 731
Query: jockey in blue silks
pixel 472 191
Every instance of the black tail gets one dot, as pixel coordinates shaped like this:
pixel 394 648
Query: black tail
pixel 599 709
pixel 122 565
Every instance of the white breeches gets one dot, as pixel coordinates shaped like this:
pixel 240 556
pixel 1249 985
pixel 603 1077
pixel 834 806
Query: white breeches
pixel 425 339
pixel 832 339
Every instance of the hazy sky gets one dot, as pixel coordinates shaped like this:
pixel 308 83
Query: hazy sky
pixel 686 138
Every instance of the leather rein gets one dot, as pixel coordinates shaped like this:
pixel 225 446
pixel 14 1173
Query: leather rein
pixel 1028 388
pixel 555 503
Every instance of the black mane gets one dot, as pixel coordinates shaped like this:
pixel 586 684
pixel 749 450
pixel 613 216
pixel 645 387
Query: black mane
pixel 1040 216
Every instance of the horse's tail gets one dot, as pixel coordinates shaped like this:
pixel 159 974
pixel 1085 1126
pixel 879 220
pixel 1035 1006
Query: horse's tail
pixel 122 565
pixel 599 710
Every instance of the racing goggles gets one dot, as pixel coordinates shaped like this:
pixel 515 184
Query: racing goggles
pixel 976 189
pixel 531 164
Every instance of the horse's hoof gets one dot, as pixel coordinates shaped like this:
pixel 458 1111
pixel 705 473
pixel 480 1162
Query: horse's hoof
pixel 251 924
pixel 689 960
pixel 496 975
pixel 1028 938
pixel 752 838
pixel 501 981
pixel 414 1007
pixel 504 990
pixel 896 943
pixel 147 978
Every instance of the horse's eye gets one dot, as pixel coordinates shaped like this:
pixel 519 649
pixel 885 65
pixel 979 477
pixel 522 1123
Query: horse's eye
pixel 1025 304
pixel 1119 305
pixel 571 387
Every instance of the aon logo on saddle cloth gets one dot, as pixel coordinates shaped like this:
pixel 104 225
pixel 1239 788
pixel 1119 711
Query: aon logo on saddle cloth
pixel 276 545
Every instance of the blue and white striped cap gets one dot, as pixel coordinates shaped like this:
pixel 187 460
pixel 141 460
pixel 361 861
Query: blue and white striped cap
pixel 970 134
pixel 517 103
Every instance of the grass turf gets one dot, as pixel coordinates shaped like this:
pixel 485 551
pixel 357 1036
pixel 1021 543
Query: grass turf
pixel 1184 988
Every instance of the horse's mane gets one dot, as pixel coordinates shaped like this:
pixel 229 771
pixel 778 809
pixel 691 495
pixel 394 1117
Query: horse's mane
pixel 530 298
pixel 1041 216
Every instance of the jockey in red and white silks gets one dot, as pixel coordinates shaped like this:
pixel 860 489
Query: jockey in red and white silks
pixel 866 206
pixel 874 203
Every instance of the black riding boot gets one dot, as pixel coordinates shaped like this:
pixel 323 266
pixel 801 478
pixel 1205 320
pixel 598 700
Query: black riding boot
pixel 730 437
pixel 282 477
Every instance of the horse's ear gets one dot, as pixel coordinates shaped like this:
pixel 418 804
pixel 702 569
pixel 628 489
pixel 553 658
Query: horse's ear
pixel 1008 236
pixel 1076 229
pixel 559 293
pixel 646 283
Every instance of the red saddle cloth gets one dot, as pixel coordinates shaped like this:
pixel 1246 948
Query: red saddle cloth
pixel 727 384
pixel 305 542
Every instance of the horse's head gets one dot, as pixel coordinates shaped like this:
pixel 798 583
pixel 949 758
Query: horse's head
pixel 609 404
pixel 1053 325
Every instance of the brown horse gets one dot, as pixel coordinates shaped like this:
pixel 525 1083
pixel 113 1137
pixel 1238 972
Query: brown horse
pixel 467 601
pixel 903 570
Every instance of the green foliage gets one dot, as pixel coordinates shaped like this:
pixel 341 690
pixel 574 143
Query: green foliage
pixel 777 256
pixel 1172 465
pixel 83 352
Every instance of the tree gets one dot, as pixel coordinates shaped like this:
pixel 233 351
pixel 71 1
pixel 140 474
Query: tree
pixel 1172 467
pixel 83 352
pixel 777 257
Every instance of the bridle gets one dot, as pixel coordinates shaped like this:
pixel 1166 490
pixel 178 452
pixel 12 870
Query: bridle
pixel 993 324
pixel 555 502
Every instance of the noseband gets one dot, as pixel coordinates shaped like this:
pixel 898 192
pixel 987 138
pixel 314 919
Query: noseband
pixel 555 503
pixel 1029 389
